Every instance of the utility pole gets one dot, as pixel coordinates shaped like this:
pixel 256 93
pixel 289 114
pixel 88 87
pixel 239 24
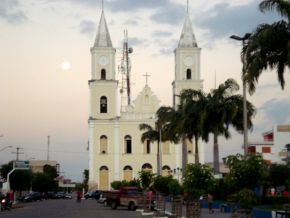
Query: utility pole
pixel 17 153
pixel 48 142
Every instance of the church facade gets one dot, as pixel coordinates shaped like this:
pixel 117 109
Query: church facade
pixel 115 149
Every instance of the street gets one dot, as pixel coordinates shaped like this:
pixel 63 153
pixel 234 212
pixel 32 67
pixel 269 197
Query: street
pixel 86 208
pixel 67 209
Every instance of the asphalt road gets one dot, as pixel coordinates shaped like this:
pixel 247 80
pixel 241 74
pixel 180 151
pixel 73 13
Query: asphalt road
pixel 67 209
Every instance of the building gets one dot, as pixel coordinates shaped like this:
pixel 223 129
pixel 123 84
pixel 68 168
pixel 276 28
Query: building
pixel 36 166
pixel 115 148
pixel 274 145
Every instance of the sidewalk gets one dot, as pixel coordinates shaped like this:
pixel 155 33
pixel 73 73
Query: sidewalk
pixel 204 213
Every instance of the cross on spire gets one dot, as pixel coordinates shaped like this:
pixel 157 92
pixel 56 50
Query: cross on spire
pixel 102 5
pixel 187 6
pixel 146 75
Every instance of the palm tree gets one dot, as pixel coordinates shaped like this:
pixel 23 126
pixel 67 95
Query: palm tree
pixel 171 131
pixel 223 108
pixel 152 135
pixel 269 45
pixel 193 103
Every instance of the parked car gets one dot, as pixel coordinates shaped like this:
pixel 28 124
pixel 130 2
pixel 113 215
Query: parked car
pixel 93 195
pixel 32 196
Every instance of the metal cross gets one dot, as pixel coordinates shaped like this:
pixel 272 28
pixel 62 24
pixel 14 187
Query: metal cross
pixel 146 75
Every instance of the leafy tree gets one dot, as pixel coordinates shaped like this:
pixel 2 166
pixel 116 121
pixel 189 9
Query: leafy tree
pixel 5 169
pixel 21 180
pixel 161 184
pixel 268 46
pixel 86 179
pixel 198 180
pixel 116 185
pixel 43 182
pixel 146 179
pixel 174 187
pixel 246 171
pixel 50 171
pixel 279 175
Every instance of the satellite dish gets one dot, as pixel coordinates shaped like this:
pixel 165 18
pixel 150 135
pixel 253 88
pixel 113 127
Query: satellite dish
pixel 130 50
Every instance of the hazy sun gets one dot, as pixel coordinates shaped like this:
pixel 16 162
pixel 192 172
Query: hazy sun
pixel 65 65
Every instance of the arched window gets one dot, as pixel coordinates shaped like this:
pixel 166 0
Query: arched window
pixel 103 74
pixel 128 144
pixel 147 167
pixel 104 178
pixel 166 171
pixel 103 104
pixel 128 173
pixel 188 74
pixel 103 144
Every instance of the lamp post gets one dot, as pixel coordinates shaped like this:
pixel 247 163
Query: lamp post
pixel 245 121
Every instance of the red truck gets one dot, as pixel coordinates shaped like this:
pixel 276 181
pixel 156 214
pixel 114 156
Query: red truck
pixel 129 197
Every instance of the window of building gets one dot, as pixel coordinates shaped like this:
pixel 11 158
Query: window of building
pixel 128 173
pixel 266 149
pixel 103 144
pixel 251 149
pixel 128 144
pixel 188 74
pixel 103 104
pixel 189 146
pixel 103 74
pixel 104 178
pixel 148 146
pixel 166 147
pixel 166 171
pixel 147 167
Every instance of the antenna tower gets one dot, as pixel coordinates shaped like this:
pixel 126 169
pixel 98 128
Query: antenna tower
pixel 125 71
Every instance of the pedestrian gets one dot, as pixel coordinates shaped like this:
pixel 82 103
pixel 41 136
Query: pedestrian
pixel 210 201
pixel 79 196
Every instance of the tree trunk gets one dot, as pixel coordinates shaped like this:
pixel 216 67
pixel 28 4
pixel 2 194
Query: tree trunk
pixel 184 155
pixel 216 166
pixel 196 158
pixel 158 158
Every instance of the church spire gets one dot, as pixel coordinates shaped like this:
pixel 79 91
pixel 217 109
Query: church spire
pixel 103 38
pixel 187 38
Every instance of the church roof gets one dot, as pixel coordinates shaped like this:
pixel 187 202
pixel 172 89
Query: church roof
pixel 103 38
pixel 145 105
pixel 187 38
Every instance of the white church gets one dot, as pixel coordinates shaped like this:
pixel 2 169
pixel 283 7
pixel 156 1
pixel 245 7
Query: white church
pixel 115 149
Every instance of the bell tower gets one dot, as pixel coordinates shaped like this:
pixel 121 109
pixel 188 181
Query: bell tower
pixel 103 84
pixel 187 62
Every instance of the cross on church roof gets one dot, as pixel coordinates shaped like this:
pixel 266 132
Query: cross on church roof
pixel 146 75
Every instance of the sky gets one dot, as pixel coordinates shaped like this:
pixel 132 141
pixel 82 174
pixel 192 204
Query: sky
pixel 45 68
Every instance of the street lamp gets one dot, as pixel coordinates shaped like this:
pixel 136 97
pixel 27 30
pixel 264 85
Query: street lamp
pixel 245 121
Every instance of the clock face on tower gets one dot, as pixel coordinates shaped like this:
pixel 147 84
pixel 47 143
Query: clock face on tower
pixel 103 60
pixel 188 61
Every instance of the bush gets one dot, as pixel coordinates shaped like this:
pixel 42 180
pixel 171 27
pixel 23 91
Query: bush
pixel 174 187
pixel 161 184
